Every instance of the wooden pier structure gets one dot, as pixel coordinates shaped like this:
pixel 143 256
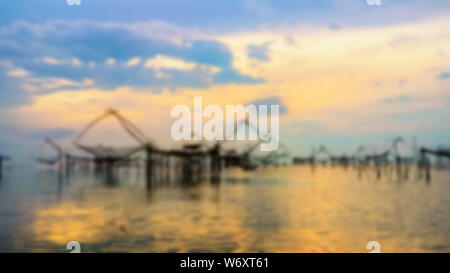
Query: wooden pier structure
pixel 194 160
pixel 424 163
pixel 390 158
pixel 190 162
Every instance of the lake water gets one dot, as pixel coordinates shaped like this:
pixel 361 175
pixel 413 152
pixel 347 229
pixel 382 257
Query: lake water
pixel 276 209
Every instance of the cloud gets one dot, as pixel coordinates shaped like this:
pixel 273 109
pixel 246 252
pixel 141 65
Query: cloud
pixel 404 42
pixel 110 61
pixel 133 62
pixel 211 14
pixel 19 73
pixel 60 51
pixel 166 62
pixel 52 61
pixel 261 8
pixel 334 26
pixel 444 76
pixel 226 76
pixel 49 60
pixel 259 52
pixel 316 77
pixel 269 101
pixel 397 99
pixel 402 82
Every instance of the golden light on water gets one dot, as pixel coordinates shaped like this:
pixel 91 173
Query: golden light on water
pixel 285 209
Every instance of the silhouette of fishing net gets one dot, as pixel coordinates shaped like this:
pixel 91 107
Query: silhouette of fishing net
pixel 104 151
pixel 46 158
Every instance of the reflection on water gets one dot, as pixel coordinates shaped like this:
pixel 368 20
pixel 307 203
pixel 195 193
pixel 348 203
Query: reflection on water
pixel 284 209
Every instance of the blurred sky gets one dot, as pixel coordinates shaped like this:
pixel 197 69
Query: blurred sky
pixel 344 72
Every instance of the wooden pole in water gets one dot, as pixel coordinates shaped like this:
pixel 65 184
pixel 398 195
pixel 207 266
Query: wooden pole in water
pixel 424 164
pixel 167 171
pixel 148 166
pixel 215 163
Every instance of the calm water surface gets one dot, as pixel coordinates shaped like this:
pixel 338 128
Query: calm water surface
pixel 284 209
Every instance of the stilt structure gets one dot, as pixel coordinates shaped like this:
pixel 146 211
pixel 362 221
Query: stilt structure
pixel 106 157
pixel 248 159
pixel 276 156
pixel 57 158
pixel 194 160
pixel 424 163
pixel 305 160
